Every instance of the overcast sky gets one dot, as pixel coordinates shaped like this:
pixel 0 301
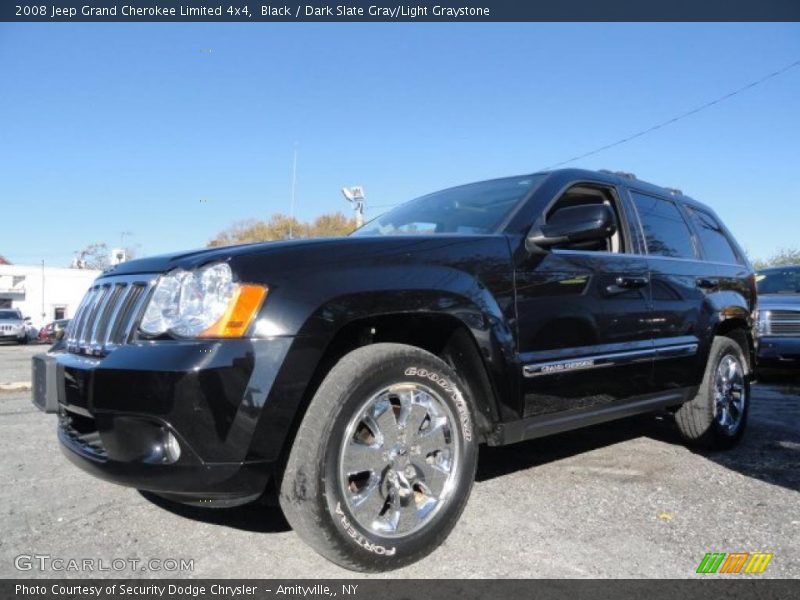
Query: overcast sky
pixel 174 132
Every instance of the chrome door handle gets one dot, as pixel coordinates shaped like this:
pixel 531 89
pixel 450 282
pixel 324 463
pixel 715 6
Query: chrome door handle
pixel 630 283
pixel 707 284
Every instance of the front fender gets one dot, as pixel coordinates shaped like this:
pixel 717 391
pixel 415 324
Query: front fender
pixel 432 291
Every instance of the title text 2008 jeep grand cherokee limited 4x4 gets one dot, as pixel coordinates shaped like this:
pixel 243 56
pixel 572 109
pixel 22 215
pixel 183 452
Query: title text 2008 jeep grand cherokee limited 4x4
pixel 360 374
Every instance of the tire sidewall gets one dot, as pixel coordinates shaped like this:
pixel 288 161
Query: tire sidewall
pixel 408 369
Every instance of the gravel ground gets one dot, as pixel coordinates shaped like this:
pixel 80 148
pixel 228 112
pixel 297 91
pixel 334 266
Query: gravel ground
pixel 619 500
pixel 15 361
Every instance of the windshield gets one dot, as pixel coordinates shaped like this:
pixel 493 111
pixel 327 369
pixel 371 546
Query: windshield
pixel 7 315
pixel 473 208
pixel 779 281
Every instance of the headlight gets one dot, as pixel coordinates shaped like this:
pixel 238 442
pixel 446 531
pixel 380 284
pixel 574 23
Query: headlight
pixel 202 303
pixel 762 322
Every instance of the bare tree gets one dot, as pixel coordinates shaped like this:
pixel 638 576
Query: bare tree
pixel 281 227
pixel 783 257
pixel 93 256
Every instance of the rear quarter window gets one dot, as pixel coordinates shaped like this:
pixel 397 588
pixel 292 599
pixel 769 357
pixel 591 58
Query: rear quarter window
pixel 716 245
pixel 665 230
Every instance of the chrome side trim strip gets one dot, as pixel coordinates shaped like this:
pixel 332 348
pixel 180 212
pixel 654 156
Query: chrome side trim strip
pixel 614 359
pixel 676 351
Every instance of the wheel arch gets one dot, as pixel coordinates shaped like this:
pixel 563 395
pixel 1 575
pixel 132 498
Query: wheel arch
pixel 730 314
pixel 441 334
pixel 739 329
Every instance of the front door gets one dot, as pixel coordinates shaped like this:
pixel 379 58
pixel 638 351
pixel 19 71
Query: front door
pixel 583 318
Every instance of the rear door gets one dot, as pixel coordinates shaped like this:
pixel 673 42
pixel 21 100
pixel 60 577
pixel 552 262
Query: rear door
pixel 725 283
pixel 583 316
pixel 679 320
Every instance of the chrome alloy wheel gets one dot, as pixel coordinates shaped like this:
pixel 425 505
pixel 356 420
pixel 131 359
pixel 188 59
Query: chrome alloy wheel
pixel 730 394
pixel 399 459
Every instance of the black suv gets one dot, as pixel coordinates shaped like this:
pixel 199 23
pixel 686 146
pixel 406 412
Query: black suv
pixel 359 375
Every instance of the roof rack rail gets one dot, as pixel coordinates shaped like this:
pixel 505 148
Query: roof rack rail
pixel 674 191
pixel 623 174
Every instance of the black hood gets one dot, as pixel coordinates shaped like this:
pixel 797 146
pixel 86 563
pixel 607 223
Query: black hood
pixel 193 258
pixel 308 250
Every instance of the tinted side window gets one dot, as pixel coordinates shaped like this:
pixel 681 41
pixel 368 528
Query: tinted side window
pixel 664 228
pixel 715 243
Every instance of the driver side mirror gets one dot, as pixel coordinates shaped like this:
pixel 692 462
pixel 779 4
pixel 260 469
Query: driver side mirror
pixel 572 225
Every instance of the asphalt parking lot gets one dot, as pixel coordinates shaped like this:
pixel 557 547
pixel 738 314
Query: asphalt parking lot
pixel 619 500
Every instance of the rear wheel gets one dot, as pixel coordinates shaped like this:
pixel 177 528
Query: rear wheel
pixel 717 416
pixel 384 459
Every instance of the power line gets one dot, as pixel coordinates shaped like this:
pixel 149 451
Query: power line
pixel 679 117
pixel 660 125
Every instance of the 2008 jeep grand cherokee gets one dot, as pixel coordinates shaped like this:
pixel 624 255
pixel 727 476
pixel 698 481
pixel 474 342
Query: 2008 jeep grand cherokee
pixel 359 375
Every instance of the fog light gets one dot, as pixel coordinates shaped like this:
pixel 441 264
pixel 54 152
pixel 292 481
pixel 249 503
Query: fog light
pixel 172 449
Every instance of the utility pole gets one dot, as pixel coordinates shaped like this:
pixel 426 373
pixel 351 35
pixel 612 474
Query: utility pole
pixel 356 197
pixel 294 187
pixel 44 314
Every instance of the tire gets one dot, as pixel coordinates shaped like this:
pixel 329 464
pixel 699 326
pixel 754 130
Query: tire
pixel 22 341
pixel 407 508
pixel 702 421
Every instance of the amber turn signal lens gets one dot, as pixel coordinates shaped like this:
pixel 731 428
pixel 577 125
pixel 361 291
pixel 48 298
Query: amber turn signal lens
pixel 241 311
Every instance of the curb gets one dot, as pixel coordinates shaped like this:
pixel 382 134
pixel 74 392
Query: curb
pixel 15 386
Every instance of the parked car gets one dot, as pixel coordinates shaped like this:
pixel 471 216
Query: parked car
pixel 778 324
pixel 13 327
pixel 53 331
pixel 360 374
pixel 31 331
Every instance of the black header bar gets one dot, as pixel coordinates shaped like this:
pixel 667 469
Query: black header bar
pixel 735 587
pixel 166 11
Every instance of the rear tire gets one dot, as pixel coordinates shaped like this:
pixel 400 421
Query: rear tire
pixel 384 459
pixel 716 417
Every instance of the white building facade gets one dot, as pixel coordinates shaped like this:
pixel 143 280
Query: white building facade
pixel 44 293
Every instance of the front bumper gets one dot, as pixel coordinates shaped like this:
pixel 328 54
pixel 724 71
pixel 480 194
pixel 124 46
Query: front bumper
pixel 778 352
pixel 118 414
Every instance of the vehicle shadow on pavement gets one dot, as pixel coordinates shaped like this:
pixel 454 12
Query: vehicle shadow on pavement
pixel 504 460
pixel 769 451
pixel 259 517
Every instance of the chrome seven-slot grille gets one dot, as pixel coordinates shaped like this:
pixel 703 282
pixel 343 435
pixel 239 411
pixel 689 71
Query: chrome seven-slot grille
pixel 784 322
pixel 108 314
